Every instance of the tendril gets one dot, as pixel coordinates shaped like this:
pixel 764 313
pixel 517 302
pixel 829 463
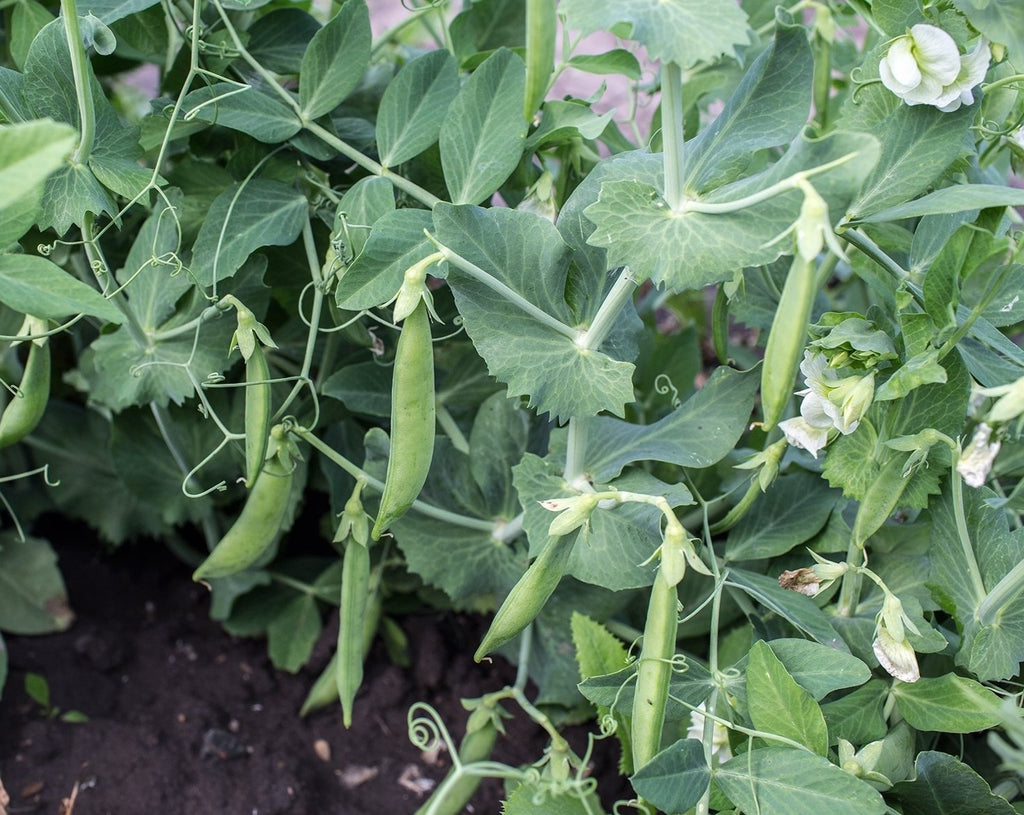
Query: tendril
pixel 663 384
pixel 427 731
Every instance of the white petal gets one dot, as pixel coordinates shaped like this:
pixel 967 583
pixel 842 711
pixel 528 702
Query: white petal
pixel 900 66
pixel 974 66
pixel 936 53
pixel 925 93
pixel 802 434
pixel 816 411
pixel 896 657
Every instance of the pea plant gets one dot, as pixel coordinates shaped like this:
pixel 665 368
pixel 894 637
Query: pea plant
pixel 712 400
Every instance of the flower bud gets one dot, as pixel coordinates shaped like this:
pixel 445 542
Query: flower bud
pixel 573 513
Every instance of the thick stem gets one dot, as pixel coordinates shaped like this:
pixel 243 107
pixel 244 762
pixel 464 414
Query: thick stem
pixel 977 584
pixel 849 593
pixel 83 85
pixel 575 451
pixel 608 312
pixel 672 132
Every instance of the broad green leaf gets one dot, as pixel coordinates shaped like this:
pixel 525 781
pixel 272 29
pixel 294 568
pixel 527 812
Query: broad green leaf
pixel 817 668
pixel 681 31
pixel 989 608
pixel 362 205
pixel 799 610
pixel 34 285
pixel 785 781
pixel 523 801
pixel 676 778
pixel 687 689
pixel 364 387
pixel 414 105
pixel 1001 21
pixel 525 253
pixel 29 152
pixel 918 143
pixel 243 218
pixel 563 121
pixel 949 200
pixel 395 243
pixel 618 61
pixel 858 716
pixel 247 110
pixel 486 25
pixel 947 704
pixel 684 250
pixel 794 509
pixel 895 16
pixel 698 433
pixel 32 595
pixel 598 652
pixel 768 108
pixel 499 436
pixel 777 704
pixel 335 60
pixel 279 39
pixel 111 10
pixel 293 633
pixel 483 134
pixel 27 20
pixel 946 786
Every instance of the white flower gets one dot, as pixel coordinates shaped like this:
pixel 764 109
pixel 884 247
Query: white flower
pixel 801 433
pixel 976 461
pixel 925 67
pixel 719 739
pixel 849 400
pixel 896 656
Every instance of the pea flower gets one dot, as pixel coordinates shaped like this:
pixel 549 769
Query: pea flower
pixel 812 580
pixel 925 67
pixel 894 652
pixel 976 461
pixel 720 735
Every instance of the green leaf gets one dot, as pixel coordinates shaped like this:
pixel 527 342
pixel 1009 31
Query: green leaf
pixel 676 778
pixel 38 689
pixel 918 143
pixel 949 200
pixel 243 218
pixel 486 25
pixel 946 786
pixel 784 781
pixel 858 716
pixel 681 31
pixel 799 610
pixel 33 599
pixel 248 110
pixel 29 153
pixel 525 253
pixel 993 627
pixel 817 668
pixel 523 801
pixel 684 250
pixel 414 106
pixel 335 60
pixel 1000 21
pixel 697 434
pixel 395 243
pixel 279 39
pixel 794 509
pixel 777 704
pixel 947 704
pixel 483 134
pixel 27 20
pixel 34 285
pixel 110 10
pixel 292 634
pixel 598 652
pixel 768 108
pixel 618 61
pixel 687 689
pixel 364 387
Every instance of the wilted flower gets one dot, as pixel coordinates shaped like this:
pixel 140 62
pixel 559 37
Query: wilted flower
pixel 925 67
pixel 719 740
pixel 976 461
pixel 812 580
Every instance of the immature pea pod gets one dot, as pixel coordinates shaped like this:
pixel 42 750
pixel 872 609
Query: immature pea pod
pixel 785 346
pixel 27 406
pixel 541 31
pixel 529 595
pixel 255 528
pixel 355 592
pixel 654 671
pixel 455 791
pixel 881 499
pixel 257 413
pixel 720 325
pixel 412 420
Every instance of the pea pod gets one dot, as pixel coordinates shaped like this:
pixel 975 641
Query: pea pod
pixel 455 791
pixel 785 346
pixel 257 413
pixel 355 592
pixel 529 595
pixel 654 671
pixel 881 499
pixel 412 420
pixel 541 31
pixel 26 408
pixel 256 527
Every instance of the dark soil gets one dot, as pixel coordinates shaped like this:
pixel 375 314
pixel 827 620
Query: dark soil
pixel 183 718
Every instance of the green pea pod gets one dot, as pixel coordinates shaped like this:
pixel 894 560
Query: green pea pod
pixel 412 420
pixel 256 527
pixel 26 408
pixel 720 325
pixel 355 591
pixel 541 31
pixel 654 671
pixel 257 413
pixel 881 499
pixel 455 791
pixel 785 346
pixel 529 595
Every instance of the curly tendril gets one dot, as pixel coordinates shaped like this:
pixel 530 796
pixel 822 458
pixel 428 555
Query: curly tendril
pixel 860 84
pixel 663 384
pixel 427 731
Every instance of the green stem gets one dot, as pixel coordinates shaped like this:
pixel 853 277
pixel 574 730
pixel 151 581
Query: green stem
pixel 977 584
pixel 83 85
pixel 849 592
pixel 857 238
pixel 575 450
pixel 389 34
pixel 97 261
pixel 999 83
pixel 499 288
pixel 603 322
pixel 451 429
pixel 421 507
pixel 993 604
pixel 995 282
pixel 672 140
